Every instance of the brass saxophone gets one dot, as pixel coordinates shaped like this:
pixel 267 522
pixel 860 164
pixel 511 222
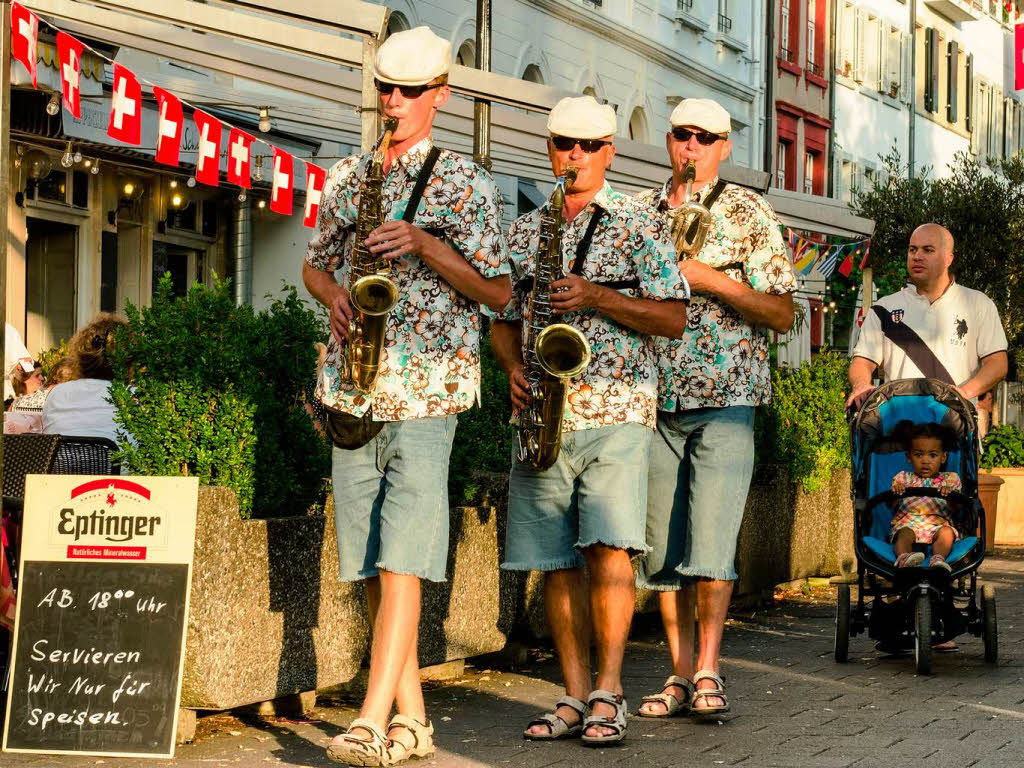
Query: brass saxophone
pixel 684 216
pixel 555 351
pixel 371 290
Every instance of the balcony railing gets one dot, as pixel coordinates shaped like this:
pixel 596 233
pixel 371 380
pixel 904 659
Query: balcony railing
pixel 724 23
pixel 787 55
pixel 684 5
pixel 815 69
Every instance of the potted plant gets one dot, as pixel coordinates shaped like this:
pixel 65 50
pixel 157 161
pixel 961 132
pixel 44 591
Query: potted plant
pixel 1003 481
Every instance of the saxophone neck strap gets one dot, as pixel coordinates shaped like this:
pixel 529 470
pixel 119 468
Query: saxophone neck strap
pixel 421 184
pixel 709 201
pixel 583 247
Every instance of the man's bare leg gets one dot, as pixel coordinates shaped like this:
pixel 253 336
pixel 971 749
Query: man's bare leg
pixel 566 607
pixel 678 609
pixel 611 605
pixel 712 608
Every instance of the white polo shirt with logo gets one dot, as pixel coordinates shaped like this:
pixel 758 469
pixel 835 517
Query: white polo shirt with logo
pixel 960 327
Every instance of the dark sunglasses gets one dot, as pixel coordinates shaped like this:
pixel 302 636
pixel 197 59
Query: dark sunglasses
pixel 566 143
pixel 408 91
pixel 704 138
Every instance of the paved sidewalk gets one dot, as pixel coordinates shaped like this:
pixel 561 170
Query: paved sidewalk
pixel 792 706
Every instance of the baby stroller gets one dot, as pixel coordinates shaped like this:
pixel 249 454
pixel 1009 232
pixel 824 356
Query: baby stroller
pixel 903 608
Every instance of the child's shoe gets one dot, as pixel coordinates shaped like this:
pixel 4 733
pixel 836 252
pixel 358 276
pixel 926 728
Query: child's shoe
pixel 910 560
pixel 938 561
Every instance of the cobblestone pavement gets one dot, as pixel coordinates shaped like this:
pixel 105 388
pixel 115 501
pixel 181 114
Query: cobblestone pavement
pixel 791 706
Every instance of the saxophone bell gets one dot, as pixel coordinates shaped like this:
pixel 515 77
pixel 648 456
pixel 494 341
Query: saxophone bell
pixel 691 221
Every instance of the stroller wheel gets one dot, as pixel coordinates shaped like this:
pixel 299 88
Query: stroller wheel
pixel 988 613
pixel 842 643
pixel 923 634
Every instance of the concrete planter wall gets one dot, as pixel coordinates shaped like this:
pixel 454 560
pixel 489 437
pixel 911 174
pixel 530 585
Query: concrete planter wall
pixel 268 617
pixel 1010 519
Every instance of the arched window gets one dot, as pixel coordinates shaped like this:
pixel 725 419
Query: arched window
pixel 467 54
pixel 638 125
pixel 533 74
pixel 397 23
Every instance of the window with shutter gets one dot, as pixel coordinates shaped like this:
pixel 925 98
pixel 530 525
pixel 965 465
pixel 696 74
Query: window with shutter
pixel 952 77
pixel 907 53
pixel 893 62
pixel 784 30
pixel 970 97
pixel 860 20
pixel 846 36
pixel 808 173
pixel 871 52
pixel 809 45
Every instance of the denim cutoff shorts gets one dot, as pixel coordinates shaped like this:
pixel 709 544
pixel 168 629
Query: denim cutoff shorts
pixel 595 493
pixel 391 501
pixel 701 464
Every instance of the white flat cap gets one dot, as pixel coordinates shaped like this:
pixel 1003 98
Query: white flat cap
pixel 581 117
pixel 701 113
pixel 412 57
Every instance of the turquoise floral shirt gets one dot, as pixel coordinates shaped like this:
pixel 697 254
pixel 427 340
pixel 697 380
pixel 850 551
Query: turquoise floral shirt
pixel 722 359
pixel 431 360
pixel 621 383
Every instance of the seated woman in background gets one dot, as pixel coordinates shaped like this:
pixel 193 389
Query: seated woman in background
pixel 29 393
pixel 82 407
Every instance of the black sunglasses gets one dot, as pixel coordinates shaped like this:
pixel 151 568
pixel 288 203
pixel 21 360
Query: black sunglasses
pixel 566 143
pixel 704 138
pixel 408 91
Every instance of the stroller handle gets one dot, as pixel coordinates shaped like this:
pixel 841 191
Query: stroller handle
pixel 888 496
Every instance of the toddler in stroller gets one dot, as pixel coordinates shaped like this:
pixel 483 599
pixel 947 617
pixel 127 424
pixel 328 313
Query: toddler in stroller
pixel 924 519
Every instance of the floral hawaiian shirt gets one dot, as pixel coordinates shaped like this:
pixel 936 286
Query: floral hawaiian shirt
pixel 431 360
pixel 722 359
pixel 621 383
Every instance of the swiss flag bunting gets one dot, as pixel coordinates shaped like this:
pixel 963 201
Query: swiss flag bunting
pixel 208 152
pixel 24 36
pixel 125 108
pixel 240 158
pixel 281 192
pixel 1018 58
pixel 69 65
pixel 315 177
pixel 169 127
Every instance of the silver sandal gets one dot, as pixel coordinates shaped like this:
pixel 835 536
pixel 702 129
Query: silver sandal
pixel 558 728
pixel 617 723
pixel 353 750
pixel 673 704
pixel 718 692
pixel 422 740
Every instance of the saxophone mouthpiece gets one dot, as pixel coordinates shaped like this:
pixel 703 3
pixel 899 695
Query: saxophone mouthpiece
pixel 690 172
pixel 390 124
pixel 570 174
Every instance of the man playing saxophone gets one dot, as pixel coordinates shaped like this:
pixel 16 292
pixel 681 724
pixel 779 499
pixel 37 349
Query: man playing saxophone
pixel 703 453
pixel 442 239
pixel 619 283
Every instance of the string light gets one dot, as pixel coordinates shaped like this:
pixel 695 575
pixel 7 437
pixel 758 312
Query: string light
pixel 241 196
pixel 67 159
pixel 95 167
pixel 258 173
pixel 264 124
pixel 261 204
pixel 18 154
pixel 78 156
pixel 53 106
pixel 191 181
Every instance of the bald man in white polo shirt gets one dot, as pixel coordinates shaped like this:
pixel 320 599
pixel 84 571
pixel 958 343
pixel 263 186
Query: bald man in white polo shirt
pixel 933 328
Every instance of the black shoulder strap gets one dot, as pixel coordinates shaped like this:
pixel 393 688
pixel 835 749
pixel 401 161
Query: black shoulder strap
pixel 913 345
pixel 421 184
pixel 716 192
pixel 583 246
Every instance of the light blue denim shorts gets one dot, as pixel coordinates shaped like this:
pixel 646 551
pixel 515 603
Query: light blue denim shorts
pixel 595 493
pixel 701 464
pixel 391 501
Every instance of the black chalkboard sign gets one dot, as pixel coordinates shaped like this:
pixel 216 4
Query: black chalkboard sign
pixel 98 657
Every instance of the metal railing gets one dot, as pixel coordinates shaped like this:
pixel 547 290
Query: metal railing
pixel 815 69
pixel 724 23
pixel 684 5
pixel 787 55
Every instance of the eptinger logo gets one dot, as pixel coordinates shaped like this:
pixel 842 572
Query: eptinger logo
pixel 110 510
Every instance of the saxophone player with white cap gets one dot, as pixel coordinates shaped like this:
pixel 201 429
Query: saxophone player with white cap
pixel 734 257
pixel 440 250
pixel 615 283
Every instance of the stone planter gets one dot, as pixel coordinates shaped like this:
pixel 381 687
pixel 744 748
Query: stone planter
pixel 268 617
pixel 1008 530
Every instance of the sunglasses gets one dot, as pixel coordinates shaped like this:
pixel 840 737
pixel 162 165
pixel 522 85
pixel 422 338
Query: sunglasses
pixel 408 91
pixel 704 138
pixel 566 143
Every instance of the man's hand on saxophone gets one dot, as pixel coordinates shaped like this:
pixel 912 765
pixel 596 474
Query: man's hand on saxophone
pixel 574 294
pixel 394 239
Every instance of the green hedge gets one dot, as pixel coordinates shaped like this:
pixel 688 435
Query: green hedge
pixel 804 427
pixel 209 389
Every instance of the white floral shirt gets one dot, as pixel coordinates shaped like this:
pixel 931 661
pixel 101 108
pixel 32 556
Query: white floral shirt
pixel 431 361
pixel 621 383
pixel 722 359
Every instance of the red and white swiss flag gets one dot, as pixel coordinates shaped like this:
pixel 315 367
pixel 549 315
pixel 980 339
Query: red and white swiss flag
pixel 1018 58
pixel 281 191
pixel 208 152
pixel 240 158
pixel 315 178
pixel 24 36
pixel 125 107
pixel 169 127
pixel 69 64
